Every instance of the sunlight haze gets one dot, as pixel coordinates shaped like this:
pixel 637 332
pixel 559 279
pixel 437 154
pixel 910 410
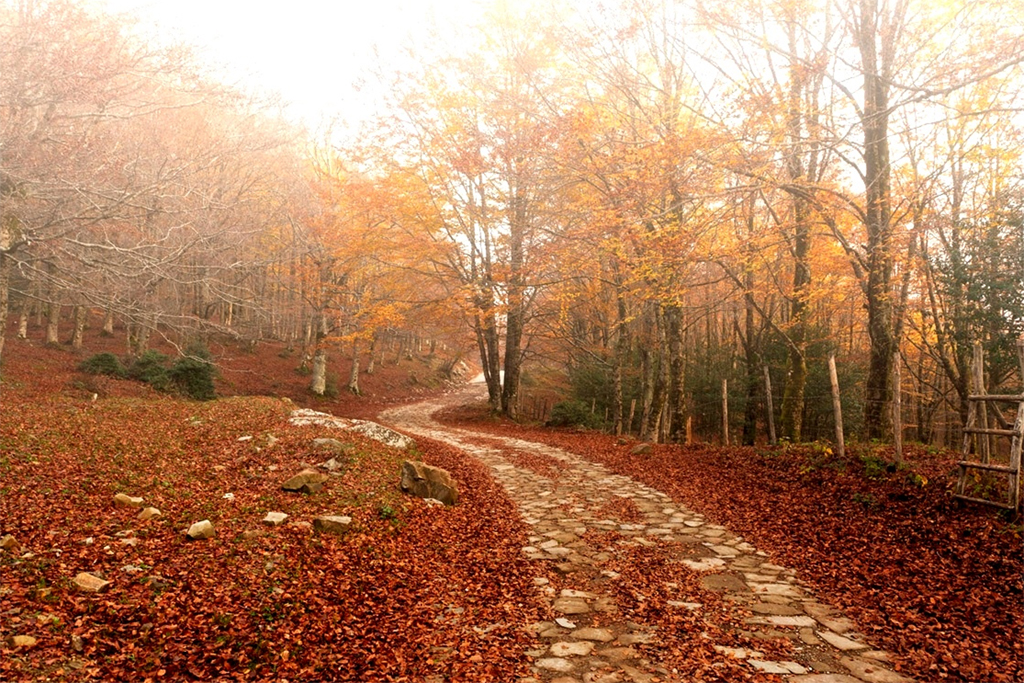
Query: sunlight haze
pixel 316 55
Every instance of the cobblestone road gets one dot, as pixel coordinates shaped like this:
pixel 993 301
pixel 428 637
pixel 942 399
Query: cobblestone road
pixel 587 643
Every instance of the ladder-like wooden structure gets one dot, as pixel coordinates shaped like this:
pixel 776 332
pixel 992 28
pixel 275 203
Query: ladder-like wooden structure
pixel 977 431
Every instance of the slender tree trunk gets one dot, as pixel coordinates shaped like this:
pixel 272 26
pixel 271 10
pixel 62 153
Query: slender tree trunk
pixel 796 375
pixel 515 319
pixel 677 370
pixel 353 378
pixel 23 319
pixel 5 281
pixel 373 355
pixel 108 323
pixel 621 352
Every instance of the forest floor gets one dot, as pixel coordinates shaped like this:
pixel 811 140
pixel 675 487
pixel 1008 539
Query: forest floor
pixel 935 582
pixel 413 592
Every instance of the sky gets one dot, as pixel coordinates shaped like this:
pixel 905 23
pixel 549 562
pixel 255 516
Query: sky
pixel 311 52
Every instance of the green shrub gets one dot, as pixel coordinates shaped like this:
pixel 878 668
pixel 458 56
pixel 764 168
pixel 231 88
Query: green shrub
pixel 193 373
pixel 193 378
pixel 573 414
pixel 103 364
pixel 151 368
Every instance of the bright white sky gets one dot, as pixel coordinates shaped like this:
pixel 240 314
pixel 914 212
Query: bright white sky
pixel 309 51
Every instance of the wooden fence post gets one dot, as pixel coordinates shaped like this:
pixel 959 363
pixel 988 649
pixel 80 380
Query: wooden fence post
pixel 978 371
pixel 837 405
pixel 771 409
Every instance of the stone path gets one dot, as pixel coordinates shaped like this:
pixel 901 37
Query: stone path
pixel 587 643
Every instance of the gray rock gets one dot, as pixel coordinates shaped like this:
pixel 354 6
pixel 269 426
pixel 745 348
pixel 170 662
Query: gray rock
pixel 201 530
pixel 333 465
pixel 125 500
pixel 306 481
pixel 149 513
pixel 426 481
pixel 90 583
pixel 641 449
pixel 332 524
pixel 332 446
pixel 275 518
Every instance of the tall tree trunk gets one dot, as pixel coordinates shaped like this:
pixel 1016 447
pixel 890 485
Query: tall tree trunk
pixel 5 281
pixel 353 378
pixel 660 381
pixel 677 371
pixel 874 34
pixel 515 318
pixel 800 244
pixel 621 352
pixel 488 344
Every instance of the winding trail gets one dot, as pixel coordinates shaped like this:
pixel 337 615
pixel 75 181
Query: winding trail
pixel 588 643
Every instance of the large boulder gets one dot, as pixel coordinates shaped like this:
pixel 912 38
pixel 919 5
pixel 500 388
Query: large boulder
pixel 427 481
pixel 306 481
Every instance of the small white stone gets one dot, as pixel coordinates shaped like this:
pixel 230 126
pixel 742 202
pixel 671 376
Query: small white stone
pixel 565 623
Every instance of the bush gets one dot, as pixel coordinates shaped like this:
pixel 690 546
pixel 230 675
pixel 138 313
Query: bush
pixel 103 364
pixel 151 368
pixel 573 414
pixel 193 374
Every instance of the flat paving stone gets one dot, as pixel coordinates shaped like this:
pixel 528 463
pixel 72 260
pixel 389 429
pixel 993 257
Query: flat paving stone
pixel 601 635
pixel 776 610
pixel 570 606
pixel 555 664
pixel 841 642
pixel 571 649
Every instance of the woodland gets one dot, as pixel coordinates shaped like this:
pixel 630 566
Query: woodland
pixel 647 220
pixel 622 205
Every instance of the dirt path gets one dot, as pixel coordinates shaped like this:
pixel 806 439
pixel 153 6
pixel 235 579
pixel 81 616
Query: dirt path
pixel 571 505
